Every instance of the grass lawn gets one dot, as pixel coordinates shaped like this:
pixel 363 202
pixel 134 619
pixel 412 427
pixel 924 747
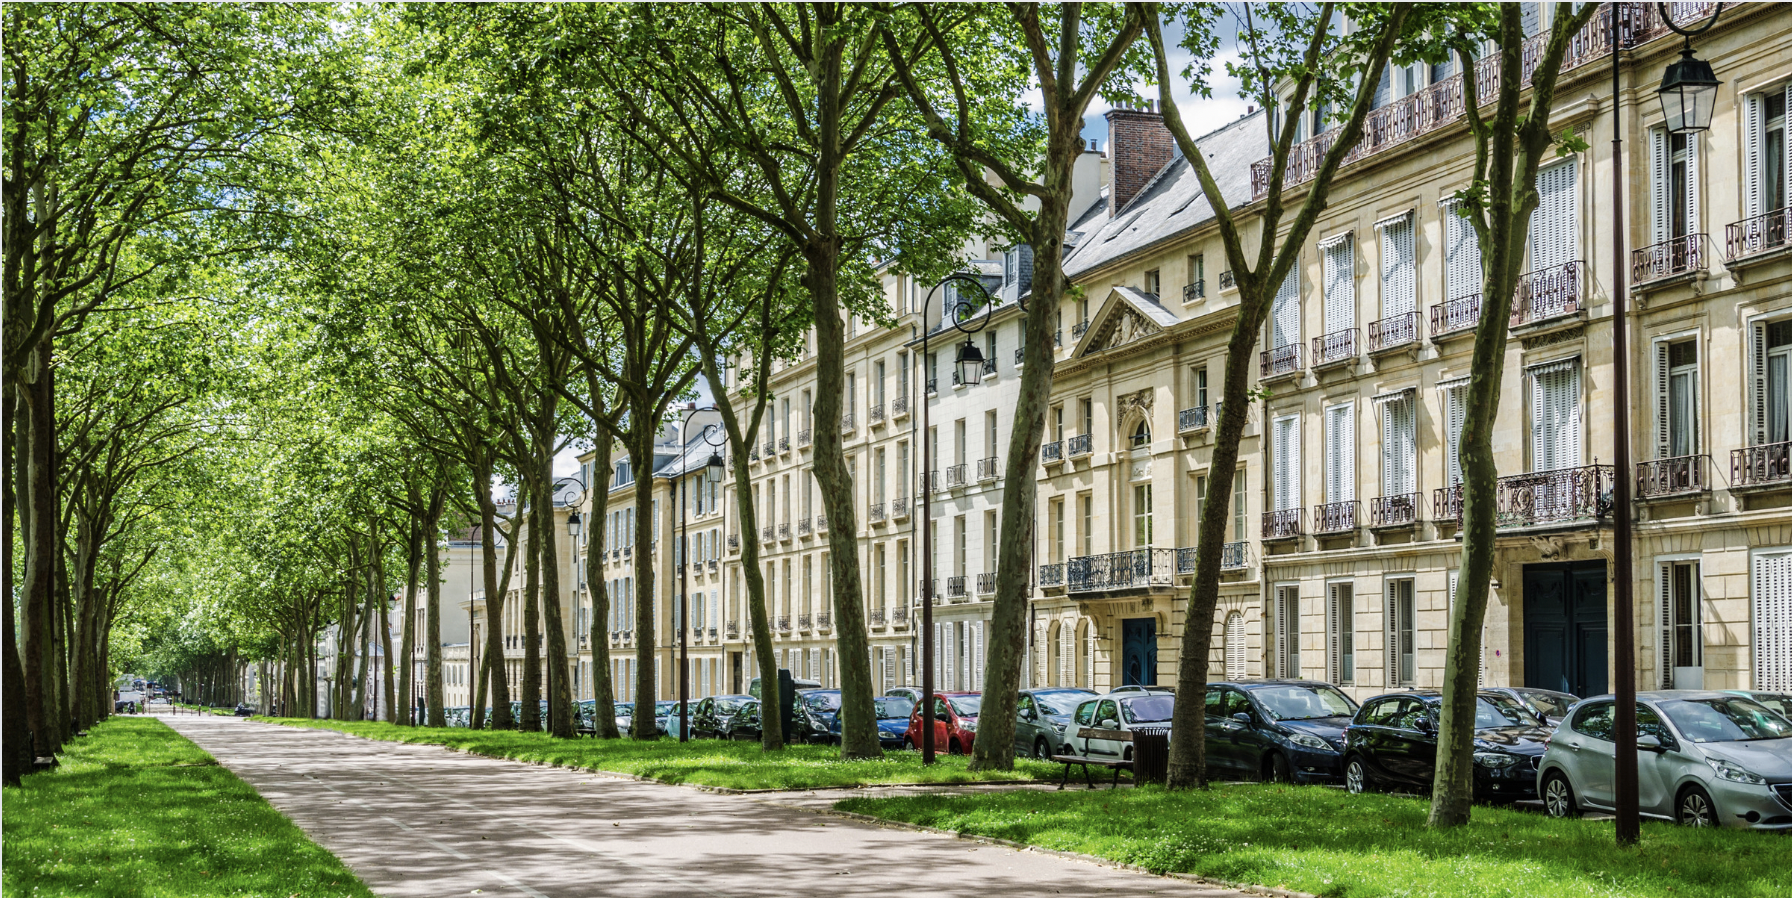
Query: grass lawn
pixel 707 762
pixel 1327 842
pixel 138 810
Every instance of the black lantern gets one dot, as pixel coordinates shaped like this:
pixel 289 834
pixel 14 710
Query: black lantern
pixel 715 467
pixel 1688 93
pixel 573 524
pixel 970 363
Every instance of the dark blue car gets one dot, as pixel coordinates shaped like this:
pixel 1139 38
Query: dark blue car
pixel 892 720
pixel 1277 730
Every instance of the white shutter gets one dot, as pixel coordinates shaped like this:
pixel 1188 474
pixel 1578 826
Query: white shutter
pixel 939 654
pixel 1758 383
pixel 1773 622
pixel 1692 183
pixel 1340 453
pixel 1281 631
pixel 1555 224
pixel 908 666
pixel 1235 646
pixel 1660 167
pixel 951 657
pixel 1664 579
pixel 1399 293
pixel 1287 461
pixel 1663 436
pixel 1555 415
pixel 1456 402
pixel 1066 653
pixel 1391 631
pixel 1333 662
pixel 889 668
pixel 1340 285
pixel 1462 255
pixel 1285 314
pixel 1390 461
pixel 1752 129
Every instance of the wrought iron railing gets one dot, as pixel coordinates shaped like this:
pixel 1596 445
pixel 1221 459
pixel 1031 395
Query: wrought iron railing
pixel 804 622
pixel 783 624
pixel 783 531
pixel 821 523
pixel 1051 575
pixel 1132 569
pixel 767 534
pixel 929 482
pixel 846 423
pixel 714 565
pixel 875 414
pixel 712 633
pixel 1456 316
pixel 1394 511
pixel 930 589
pixel 989 468
pixel 1195 290
pixel 1446 505
pixel 877 617
pixel 1281 361
pixel 989 366
pixel 1764 465
pixel 783 444
pixel 734 542
pixel 1185 560
pixel 1562 496
pixel 1548 294
pixel 1227 280
pixel 933 386
pixel 771 447
pixel 1234 556
pixel 1051 452
pixel 1672 476
pixel 899 406
pixel 1076 330
pixel 733 629
pixel 1759 234
pixel 804 527
pixel 955 587
pixel 1081 444
pixel 1191 419
pixel 1394 332
pixel 1335 517
pixel 753 454
pixel 955 475
pixel 804 437
pixel 1020 356
pixel 1335 347
pixel 1283 524
pixel 899 507
pixel 986 584
pixel 1668 258
pixel 876 512
pixel 1057 339
pixel 824 621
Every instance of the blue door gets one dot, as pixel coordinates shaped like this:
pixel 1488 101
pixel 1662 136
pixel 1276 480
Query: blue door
pixel 1138 655
pixel 1565 627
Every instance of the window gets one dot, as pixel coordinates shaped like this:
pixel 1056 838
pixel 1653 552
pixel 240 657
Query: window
pixel 1152 282
pixel 1087 503
pixel 1555 225
pixel 1141 435
pixel 877 482
pixel 1339 258
pixel 1455 411
pixel 1400 667
pixel 877 386
pixel 1399 293
pixel 1087 407
pixel 1238 515
pixel 1057 524
pixel 1555 416
pixel 1772 382
pixel 1141 515
pixel 1287 620
pixel 1773 620
pixel 1340 453
pixel 990 434
pixel 1235 646
pixel 1340 633
pixel 1198 387
pixel 1285 490
pixel 1676 398
pixel 960 540
pixel 902 375
pixel 1673 187
pixel 1284 315
pixel 1197 275
pixel 1681 660
pixel 1462 254
pixel 1767 162
pixel 1200 500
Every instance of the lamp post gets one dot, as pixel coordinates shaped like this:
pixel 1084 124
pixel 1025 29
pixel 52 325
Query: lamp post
pixel 573 527
pixel 711 469
pixel 964 319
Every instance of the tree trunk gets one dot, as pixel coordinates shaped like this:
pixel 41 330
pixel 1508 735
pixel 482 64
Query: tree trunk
pixel 531 693
pixel 560 711
pixel 388 689
pixel 39 533
pixel 407 650
pixel 432 635
pixel 641 439
pixel 494 597
pixel 15 729
pixel 603 690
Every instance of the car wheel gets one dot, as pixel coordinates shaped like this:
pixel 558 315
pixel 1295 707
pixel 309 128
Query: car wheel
pixel 1558 797
pixel 1275 769
pixel 1041 749
pixel 908 744
pixel 1356 776
pixel 1695 808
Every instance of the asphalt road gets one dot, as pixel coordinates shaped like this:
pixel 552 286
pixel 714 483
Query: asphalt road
pixel 421 820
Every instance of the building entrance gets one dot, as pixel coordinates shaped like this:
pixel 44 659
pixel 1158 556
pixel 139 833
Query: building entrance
pixel 1139 651
pixel 1565 627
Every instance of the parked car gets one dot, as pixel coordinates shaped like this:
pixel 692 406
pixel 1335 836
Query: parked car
pixel 715 715
pixel 665 716
pixel 1703 759
pixel 1277 730
pixel 625 716
pixel 954 722
pixel 1127 711
pixel 893 712
pixel 912 693
pixel 1547 705
pixel 815 715
pixel 1392 743
pixel 1777 702
pixel 1136 689
pixel 801 684
pixel 1044 715
pixel 745 724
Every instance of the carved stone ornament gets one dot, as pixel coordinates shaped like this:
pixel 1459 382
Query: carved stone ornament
pixel 1142 400
pixel 1125 326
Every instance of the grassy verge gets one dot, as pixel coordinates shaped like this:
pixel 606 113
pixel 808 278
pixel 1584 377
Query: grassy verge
pixel 706 762
pixel 138 810
pixel 1327 842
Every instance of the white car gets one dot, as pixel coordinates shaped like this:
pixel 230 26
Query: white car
pixel 1127 712
pixel 1703 759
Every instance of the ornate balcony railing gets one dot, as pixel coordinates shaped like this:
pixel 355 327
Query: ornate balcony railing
pixel 1281 361
pixel 804 622
pixel 989 468
pixel 1081 444
pixel 875 414
pixel 933 386
pixel 783 624
pixel 1446 505
pixel 783 531
pixel 1335 517
pixel 1394 511
pixel 733 629
pixel 1191 419
pixel 767 534
pixel 1334 348
pixel 1051 575
pixel 899 507
pixel 1456 315
pixel 1284 524
pixel 821 523
pixel 1185 560
pixel 1076 330
pixel 877 617
pixel 1235 556
pixel 1562 496
pixel 1769 464
pixel 955 587
pixel 986 584
pixel 930 589
pixel 846 423
pixel 712 633
pixel 955 475
pixel 753 454
pixel 1052 452
pixel 783 444
pixel 824 622
pixel 1394 332
pixel 804 527
pixel 899 406
pixel 1020 356
pixel 1672 476
pixel 1668 258
pixel 714 565
pixel 929 483
pixel 734 542
pixel 1132 569
pixel 1194 291
pixel 771 447
pixel 1441 104
pixel 1227 280
pixel 876 512
pixel 804 438
pixel 1549 294
pixel 1057 339
pixel 1762 233
pixel 989 366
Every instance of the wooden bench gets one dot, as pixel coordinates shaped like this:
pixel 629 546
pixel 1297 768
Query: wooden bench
pixel 1118 764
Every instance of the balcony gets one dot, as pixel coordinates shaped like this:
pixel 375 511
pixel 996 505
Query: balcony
pixel 1394 511
pixel 805 527
pixel 1550 498
pixel 824 622
pixel 1235 556
pixel 1020 357
pixel 804 622
pixel 712 634
pixel 899 507
pixel 771 447
pixel 821 523
pixel 734 542
pixel 1051 576
pixel 1757 235
pixel 1185 561
pixel 1051 453
pixel 1194 291
pixel 989 367
pixel 1334 518
pixel 1282 361
pixel 782 624
pixel 1768 465
pixel 1335 348
pixel 1667 259
pixel 1284 524
pixel 846 423
pixel 714 565
pixel 929 483
pixel 876 513
pixel 733 629
pixel 1455 317
pixel 877 617
pixel 1191 419
pixel 955 587
pixel 1551 294
pixel 1227 281
pixel 753 454
pixel 1057 339
pixel 989 468
pixel 933 386
pixel 1134 569
pixel 1682 476
pixel 1394 332
pixel 899 406
pixel 783 444
pixel 768 535
pixel 804 438
pixel 1076 330
pixel 875 414
pixel 986 584
pixel 1080 445
pixel 930 589
pixel 784 531
pixel 955 475
pixel 1446 505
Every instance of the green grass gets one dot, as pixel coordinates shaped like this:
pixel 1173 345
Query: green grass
pixel 706 762
pixel 1326 842
pixel 138 810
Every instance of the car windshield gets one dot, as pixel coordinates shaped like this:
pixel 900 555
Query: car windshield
pixel 965 705
pixel 665 707
pixel 822 701
pixel 1495 710
pixel 1148 708
pixel 624 708
pixel 1058 705
pixel 1295 702
pixel 730 705
pixel 891 706
pixel 1725 720
pixel 1548 704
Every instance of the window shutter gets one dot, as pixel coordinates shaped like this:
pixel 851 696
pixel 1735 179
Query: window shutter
pixel 1391 631
pixel 1462 254
pixel 1664 578
pixel 1773 622
pixel 1066 653
pixel 1659 166
pixel 1340 454
pixel 889 668
pixel 951 656
pixel 1340 285
pixel 1279 478
pixel 976 655
pixel 1663 436
pixel 1555 223
pixel 908 667
pixel 1333 666
pixel 939 654
pixel 1281 609
pixel 1406 446
pixel 1692 183
pixel 1752 129
pixel 1758 383
pixel 1398 287
pixel 1235 646
pixel 1456 398
pixel 1285 319
pixel 1390 453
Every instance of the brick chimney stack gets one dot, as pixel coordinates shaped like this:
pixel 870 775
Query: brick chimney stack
pixel 1140 146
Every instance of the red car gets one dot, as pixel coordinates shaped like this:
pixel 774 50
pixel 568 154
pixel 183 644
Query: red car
pixel 954 722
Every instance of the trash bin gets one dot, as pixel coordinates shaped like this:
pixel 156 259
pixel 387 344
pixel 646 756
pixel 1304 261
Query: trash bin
pixel 1150 754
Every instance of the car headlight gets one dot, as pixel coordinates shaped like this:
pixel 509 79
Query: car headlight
pixel 1308 740
pixel 1059 728
pixel 1729 771
pixel 969 726
pixel 1495 759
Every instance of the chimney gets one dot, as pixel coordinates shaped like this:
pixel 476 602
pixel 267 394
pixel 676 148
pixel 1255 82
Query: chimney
pixel 1140 146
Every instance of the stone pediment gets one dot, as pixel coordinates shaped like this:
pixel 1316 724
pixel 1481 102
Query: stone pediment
pixel 1126 317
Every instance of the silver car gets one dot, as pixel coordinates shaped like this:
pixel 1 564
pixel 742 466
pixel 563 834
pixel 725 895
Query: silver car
pixel 1703 759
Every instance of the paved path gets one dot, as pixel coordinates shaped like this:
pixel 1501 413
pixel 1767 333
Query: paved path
pixel 421 820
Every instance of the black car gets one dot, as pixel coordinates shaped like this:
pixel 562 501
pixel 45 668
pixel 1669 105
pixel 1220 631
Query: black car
pixel 814 717
pixel 714 716
pixel 1547 705
pixel 745 723
pixel 1277 730
pixel 1392 743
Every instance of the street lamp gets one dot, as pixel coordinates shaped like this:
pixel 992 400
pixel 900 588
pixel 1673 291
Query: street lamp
pixel 965 320
pixel 573 526
pixel 712 472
